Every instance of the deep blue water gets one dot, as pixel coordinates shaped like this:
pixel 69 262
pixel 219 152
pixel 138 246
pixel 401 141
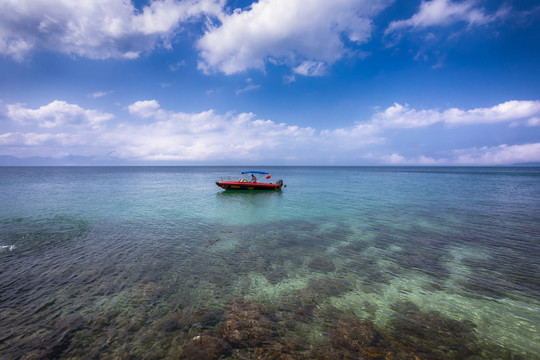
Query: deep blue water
pixel 345 262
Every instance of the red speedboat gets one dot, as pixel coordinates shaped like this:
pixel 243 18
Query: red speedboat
pixel 247 183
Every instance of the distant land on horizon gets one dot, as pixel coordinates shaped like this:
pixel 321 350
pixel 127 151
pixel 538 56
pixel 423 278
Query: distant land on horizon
pixel 533 164
pixel 6 160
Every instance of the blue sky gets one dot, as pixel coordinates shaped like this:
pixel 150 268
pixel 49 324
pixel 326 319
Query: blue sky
pixel 273 82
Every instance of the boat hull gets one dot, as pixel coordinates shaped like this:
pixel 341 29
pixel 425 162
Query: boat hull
pixel 236 185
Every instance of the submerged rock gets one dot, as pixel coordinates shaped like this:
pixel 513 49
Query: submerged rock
pixel 323 265
pixel 206 346
pixel 248 324
pixel 186 319
pixel 432 334
pixel 353 338
pixel 353 334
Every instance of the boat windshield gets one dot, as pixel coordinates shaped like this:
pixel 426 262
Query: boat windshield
pixel 248 176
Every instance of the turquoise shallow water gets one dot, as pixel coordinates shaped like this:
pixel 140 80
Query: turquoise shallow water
pixel 158 262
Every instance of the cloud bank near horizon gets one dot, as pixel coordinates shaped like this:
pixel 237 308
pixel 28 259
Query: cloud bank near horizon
pixel 145 131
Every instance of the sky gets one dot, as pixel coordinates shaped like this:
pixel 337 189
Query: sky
pixel 270 82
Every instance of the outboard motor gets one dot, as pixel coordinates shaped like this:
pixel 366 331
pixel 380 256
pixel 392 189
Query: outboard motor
pixel 280 183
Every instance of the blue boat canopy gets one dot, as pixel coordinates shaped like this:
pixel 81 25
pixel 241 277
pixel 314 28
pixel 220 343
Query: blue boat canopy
pixel 255 172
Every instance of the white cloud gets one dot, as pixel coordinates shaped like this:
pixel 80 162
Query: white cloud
pixel 510 111
pixel 170 135
pixel 60 129
pixel 29 139
pixel 288 79
pixel 248 88
pixel 495 155
pixel 499 155
pixel 357 136
pixel 178 65
pixel 99 94
pixel 202 136
pixel 129 55
pixel 444 13
pixel 402 116
pixel 95 29
pixel 286 32
pixel 145 108
pixel 310 68
pixel 534 121
pixel 57 114
pixel 515 112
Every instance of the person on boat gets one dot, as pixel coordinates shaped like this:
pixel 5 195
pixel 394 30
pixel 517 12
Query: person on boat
pixel 253 178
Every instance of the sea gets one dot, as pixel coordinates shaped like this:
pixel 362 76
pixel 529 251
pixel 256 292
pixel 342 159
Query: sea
pixel 342 263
